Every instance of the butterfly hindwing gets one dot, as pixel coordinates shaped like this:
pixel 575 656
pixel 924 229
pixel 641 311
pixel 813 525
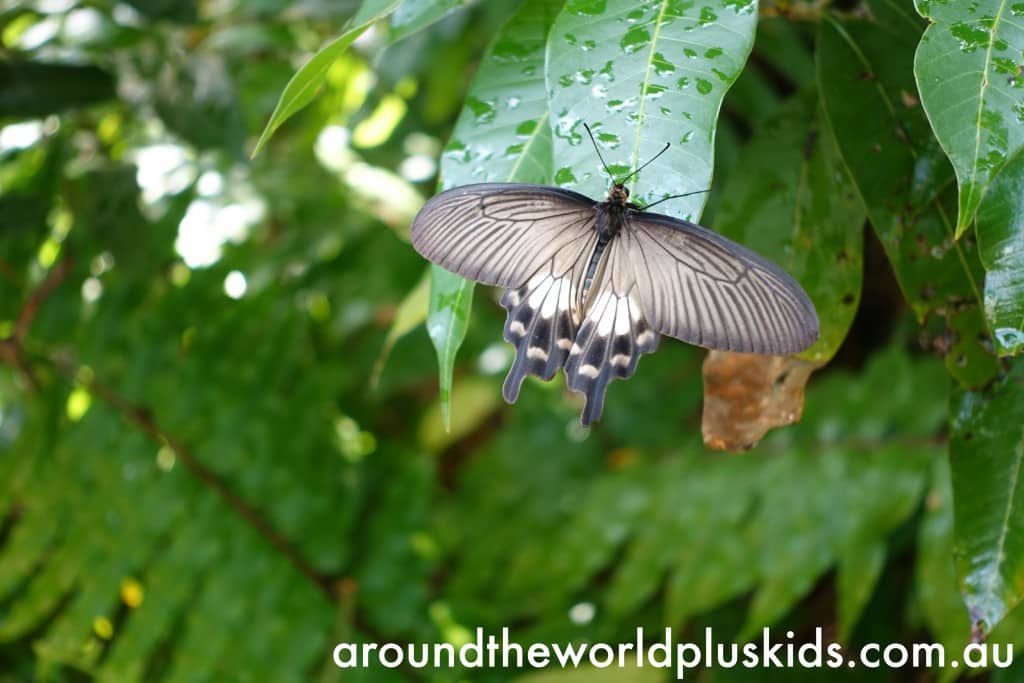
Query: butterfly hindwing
pixel 541 324
pixel 612 337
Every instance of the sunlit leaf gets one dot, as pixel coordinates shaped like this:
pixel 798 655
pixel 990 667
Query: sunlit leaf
pixel 306 82
pixel 501 135
pixel 1001 244
pixel 642 75
pixel 972 87
pixel 986 454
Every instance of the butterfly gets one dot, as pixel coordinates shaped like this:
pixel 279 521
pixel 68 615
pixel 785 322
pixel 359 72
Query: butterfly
pixel 591 286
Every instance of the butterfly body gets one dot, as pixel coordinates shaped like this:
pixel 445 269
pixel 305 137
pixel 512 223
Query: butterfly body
pixel 592 286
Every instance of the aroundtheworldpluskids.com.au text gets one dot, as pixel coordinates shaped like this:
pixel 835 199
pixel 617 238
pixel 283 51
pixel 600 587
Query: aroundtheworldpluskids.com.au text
pixel 498 651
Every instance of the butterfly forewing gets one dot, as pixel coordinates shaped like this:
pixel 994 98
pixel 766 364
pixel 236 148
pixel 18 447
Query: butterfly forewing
pixel 536 241
pixel 699 287
pixel 504 234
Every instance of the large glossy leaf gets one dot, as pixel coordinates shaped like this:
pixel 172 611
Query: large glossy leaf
pixel 303 86
pixel 1001 243
pixel 865 77
pixel 501 135
pixel 986 454
pixel 790 199
pixel 969 76
pixel 642 75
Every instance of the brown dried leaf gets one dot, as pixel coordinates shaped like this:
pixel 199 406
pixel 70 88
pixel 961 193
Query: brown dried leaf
pixel 747 394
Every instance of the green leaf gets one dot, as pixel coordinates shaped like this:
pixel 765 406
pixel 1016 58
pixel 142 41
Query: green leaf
pixel 899 172
pixel 791 200
pixel 303 86
pixel 935 591
pixel 986 454
pixel 969 76
pixel 859 569
pixel 1001 244
pixel 30 89
pixel 411 312
pixel 502 135
pixel 447 319
pixel 642 75
pixel 414 15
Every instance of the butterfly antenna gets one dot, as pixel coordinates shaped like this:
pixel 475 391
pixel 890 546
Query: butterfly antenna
pixel 598 150
pixel 646 164
pixel 676 196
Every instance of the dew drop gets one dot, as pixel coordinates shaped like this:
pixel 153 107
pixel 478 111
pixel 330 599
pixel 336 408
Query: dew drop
pixel 704 87
pixel 662 66
pixel 483 111
pixel 707 16
pixel 635 38
pixel 586 7
pixel 564 176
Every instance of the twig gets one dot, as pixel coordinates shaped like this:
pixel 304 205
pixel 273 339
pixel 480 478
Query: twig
pixel 12 348
pixel 41 293
pixel 142 417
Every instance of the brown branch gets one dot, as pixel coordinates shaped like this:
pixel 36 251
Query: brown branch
pixel 12 349
pixel 39 295
pixel 143 418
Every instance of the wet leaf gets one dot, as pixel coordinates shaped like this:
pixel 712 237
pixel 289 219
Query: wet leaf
pixel 900 174
pixel 303 86
pixel 986 453
pixel 502 135
pixel 451 298
pixel 747 394
pixel 642 75
pixel 791 200
pixel 1001 244
pixel 970 359
pixel 971 80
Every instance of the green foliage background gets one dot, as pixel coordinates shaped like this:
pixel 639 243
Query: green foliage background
pixel 222 444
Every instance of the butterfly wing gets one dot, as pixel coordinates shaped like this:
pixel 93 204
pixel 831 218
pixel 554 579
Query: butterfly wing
pixel 697 286
pixel 533 240
pixel 502 234
pixel 612 335
pixel 665 276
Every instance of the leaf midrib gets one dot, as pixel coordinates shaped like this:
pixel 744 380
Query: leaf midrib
pixel 643 90
pixel 981 95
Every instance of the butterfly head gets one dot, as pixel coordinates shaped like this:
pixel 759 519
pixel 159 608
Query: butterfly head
pixel 619 194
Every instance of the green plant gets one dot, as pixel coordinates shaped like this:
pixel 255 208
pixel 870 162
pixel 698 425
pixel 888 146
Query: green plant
pixel 222 446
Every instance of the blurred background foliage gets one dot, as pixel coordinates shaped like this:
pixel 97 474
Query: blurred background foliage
pixel 221 439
